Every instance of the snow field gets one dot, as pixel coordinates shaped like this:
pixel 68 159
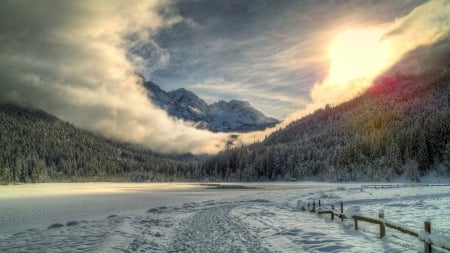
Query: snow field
pixel 409 207
pixel 258 220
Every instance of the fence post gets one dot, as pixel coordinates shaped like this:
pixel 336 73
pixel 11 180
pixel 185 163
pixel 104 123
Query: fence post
pixel 427 227
pixel 356 224
pixel 382 226
pixel 314 206
pixel 382 230
pixel 342 211
pixel 332 212
pixel 308 206
pixel 319 203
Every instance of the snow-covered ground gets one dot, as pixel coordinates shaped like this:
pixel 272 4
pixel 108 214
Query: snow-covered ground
pixel 102 217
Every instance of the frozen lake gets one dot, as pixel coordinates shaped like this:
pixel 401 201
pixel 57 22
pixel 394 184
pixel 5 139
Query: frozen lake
pixel 40 205
pixel 257 217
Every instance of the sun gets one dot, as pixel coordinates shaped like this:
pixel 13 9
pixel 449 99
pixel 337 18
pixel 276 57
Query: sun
pixel 356 54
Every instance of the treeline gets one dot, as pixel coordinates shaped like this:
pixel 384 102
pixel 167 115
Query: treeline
pixel 400 126
pixel 37 147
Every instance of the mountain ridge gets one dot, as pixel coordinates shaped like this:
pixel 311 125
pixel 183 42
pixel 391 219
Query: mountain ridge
pixel 399 127
pixel 221 116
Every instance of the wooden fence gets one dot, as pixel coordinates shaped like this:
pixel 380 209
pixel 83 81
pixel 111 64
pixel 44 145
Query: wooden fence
pixel 425 236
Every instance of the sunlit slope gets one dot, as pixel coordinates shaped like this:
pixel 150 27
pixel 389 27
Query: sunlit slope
pixel 400 125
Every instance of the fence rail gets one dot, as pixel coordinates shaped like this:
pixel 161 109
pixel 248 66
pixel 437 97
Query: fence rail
pixel 378 186
pixel 424 236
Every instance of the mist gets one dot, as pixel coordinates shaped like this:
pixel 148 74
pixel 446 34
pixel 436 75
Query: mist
pixel 428 25
pixel 76 64
pixel 75 60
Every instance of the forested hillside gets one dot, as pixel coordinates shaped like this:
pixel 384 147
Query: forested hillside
pixel 399 126
pixel 37 147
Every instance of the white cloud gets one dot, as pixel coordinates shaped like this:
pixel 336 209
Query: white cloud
pixel 425 25
pixel 74 59
pixel 77 66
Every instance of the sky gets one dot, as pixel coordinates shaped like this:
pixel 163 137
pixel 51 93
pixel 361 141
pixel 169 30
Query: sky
pixel 78 59
pixel 267 52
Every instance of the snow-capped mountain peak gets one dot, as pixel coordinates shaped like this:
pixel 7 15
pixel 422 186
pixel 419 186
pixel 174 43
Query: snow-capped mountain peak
pixel 222 116
pixel 187 98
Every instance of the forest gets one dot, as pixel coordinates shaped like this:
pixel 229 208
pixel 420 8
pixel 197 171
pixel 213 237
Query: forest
pixel 399 126
pixel 37 147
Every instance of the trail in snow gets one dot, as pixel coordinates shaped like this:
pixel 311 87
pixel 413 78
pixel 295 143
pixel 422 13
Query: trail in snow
pixel 237 226
pixel 263 221
pixel 192 227
pixel 213 229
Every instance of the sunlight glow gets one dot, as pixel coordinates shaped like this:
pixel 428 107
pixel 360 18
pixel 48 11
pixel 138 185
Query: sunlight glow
pixel 357 53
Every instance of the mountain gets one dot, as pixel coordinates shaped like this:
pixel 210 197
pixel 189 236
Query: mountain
pixel 38 147
pixel 222 116
pixel 398 127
